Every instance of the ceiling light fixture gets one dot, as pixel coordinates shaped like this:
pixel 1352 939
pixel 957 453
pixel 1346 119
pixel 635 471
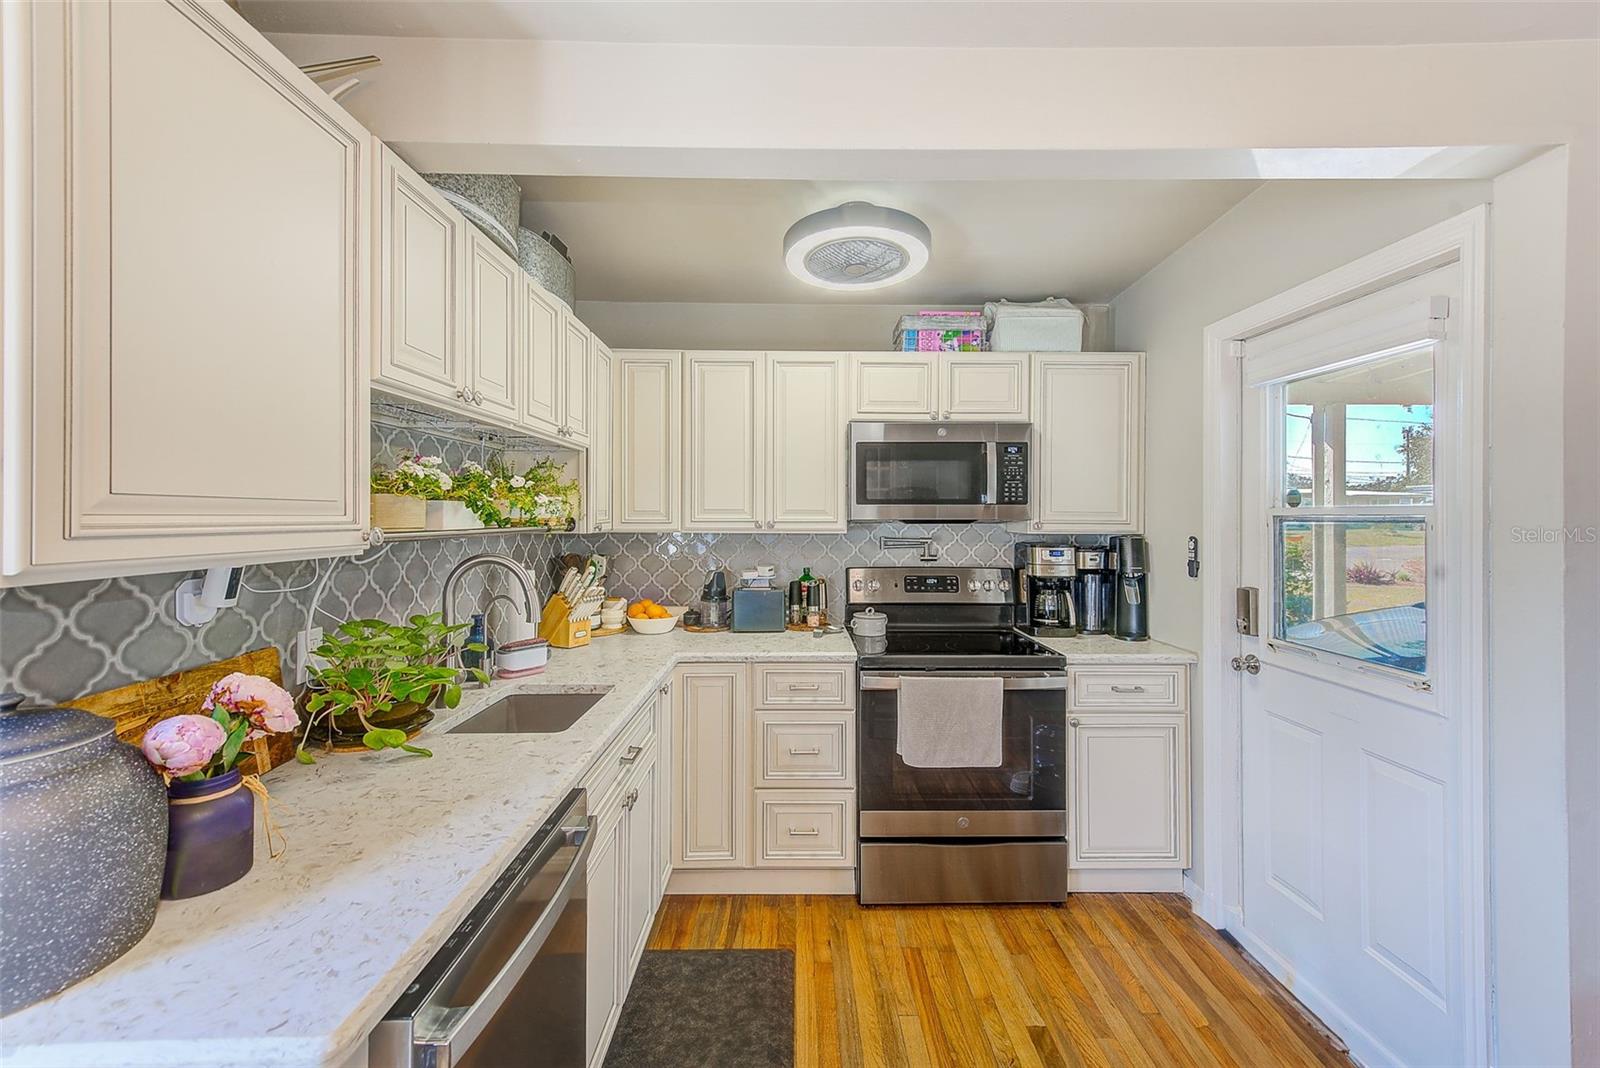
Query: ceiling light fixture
pixel 857 246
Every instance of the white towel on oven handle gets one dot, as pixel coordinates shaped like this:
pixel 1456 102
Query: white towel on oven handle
pixel 947 722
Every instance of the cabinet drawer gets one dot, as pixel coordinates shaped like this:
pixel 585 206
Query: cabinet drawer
pixel 804 749
pixel 812 830
pixel 1155 689
pixel 623 753
pixel 824 686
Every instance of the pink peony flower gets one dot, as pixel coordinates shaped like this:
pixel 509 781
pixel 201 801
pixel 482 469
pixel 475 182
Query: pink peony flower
pixel 267 706
pixel 183 744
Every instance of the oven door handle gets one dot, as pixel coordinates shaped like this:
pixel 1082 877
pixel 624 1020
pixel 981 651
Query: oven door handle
pixel 1010 682
pixel 449 1047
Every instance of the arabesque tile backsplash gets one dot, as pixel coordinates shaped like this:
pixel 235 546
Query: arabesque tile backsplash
pixel 66 639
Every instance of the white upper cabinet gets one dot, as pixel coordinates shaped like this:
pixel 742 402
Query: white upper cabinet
pixel 575 371
pixel 186 304
pixel 543 344
pixel 494 311
pixel 647 487
pixel 976 386
pixel 885 386
pixel 601 440
pixel 1088 433
pixel 725 420
pixel 805 477
pixel 419 262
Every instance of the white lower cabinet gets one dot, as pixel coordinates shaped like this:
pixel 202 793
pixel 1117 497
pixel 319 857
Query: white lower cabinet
pixel 603 999
pixel 805 829
pixel 710 737
pixel 639 829
pixel 1130 790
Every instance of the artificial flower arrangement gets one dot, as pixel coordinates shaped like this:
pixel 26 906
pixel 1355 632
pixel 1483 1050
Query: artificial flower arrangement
pixel 210 804
pixel 415 476
pixel 375 681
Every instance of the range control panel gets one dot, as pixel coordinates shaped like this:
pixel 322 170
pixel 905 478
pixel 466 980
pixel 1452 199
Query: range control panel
pixel 929 585
pixel 1011 469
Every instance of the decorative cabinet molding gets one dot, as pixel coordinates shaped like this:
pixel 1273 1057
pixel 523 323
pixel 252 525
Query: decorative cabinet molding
pixel 1083 398
pixel 806 473
pixel 725 421
pixel 711 766
pixel 984 386
pixel 971 386
pixel 419 243
pixel 543 341
pixel 494 314
pixel 575 373
pixel 894 385
pixel 647 468
pixel 1130 790
pixel 174 398
pixel 602 431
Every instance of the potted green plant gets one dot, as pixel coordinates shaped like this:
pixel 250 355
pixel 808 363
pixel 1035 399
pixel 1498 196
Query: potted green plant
pixel 542 496
pixel 477 488
pixel 376 681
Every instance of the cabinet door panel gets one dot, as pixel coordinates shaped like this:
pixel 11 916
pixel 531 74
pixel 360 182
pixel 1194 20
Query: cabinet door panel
pixel 639 907
pixel 665 771
pixel 420 239
pixel 196 391
pixel 1130 791
pixel 542 359
pixel 806 430
pixel 726 425
pixel 988 387
pixel 492 328
pixel 897 386
pixel 575 380
pixel 1096 398
pixel 604 906
pixel 647 467
pixel 598 492
pixel 710 735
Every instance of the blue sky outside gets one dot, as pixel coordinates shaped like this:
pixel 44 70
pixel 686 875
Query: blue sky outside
pixel 1372 439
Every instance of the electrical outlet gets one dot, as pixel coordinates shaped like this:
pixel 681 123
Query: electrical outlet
pixel 304 643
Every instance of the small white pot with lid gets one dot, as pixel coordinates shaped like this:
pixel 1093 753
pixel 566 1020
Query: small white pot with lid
pixel 869 623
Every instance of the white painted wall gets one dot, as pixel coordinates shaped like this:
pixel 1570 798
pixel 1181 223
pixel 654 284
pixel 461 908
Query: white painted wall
pixel 1285 234
pixel 637 325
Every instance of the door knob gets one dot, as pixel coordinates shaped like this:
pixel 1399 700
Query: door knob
pixel 1249 662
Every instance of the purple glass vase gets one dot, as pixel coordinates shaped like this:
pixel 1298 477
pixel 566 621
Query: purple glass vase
pixel 210 835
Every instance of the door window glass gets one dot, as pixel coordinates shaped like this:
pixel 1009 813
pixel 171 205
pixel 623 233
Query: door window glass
pixel 1356 587
pixel 1361 435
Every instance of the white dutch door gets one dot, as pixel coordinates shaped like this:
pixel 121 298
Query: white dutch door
pixel 1351 754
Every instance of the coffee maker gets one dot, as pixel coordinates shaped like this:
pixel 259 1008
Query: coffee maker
pixel 1096 582
pixel 1046 586
pixel 1133 607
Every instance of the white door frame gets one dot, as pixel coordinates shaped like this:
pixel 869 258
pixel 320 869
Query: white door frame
pixel 1460 239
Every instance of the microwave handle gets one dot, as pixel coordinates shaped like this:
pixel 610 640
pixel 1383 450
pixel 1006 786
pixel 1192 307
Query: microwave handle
pixel 991 483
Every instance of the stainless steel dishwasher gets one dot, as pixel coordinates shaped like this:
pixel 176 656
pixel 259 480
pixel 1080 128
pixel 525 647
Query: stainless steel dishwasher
pixel 507 987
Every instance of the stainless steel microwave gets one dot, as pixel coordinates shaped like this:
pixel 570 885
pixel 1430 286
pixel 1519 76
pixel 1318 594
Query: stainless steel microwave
pixel 939 472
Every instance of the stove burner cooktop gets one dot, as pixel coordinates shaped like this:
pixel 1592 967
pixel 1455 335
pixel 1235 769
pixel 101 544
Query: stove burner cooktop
pixel 957 649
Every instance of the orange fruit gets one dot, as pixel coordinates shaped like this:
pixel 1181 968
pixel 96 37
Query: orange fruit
pixel 657 612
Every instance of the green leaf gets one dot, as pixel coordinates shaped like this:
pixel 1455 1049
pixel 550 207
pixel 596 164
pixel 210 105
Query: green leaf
pixel 304 757
pixel 220 715
pixel 417 749
pixel 374 739
pixel 359 678
pixel 230 748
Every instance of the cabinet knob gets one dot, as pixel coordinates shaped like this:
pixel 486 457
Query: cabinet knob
pixel 1038 524
pixel 758 524
pixel 461 394
pixel 771 524
pixel 1073 722
pixel 665 688
pixel 933 415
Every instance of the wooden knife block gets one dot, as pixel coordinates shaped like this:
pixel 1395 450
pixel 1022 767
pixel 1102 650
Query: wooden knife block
pixel 557 629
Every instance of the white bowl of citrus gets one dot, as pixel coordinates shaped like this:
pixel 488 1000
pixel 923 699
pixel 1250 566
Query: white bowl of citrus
pixel 647 617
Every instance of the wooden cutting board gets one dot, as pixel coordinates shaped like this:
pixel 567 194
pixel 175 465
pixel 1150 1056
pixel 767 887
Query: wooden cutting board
pixel 136 706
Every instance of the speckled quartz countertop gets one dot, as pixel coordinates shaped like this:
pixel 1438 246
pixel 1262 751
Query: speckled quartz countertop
pixel 1104 649
pixel 291 966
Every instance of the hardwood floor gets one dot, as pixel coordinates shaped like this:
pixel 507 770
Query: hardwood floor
pixel 1108 979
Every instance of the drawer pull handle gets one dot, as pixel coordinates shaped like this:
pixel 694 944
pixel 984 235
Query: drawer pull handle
pixel 1127 689
pixel 803 832
pixel 804 686
pixel 812 751
pixel 631 755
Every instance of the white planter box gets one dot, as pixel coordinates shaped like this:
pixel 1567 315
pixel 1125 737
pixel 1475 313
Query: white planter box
pixel 393 512
pixel 451 515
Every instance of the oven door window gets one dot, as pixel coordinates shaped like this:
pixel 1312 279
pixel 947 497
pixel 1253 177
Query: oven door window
pixel 918 472
pixel 1031 774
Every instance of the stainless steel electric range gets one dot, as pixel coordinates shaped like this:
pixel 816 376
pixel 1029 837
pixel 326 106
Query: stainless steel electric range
pixel 937 825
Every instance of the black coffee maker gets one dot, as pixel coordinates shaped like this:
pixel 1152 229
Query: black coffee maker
pixel 1132 602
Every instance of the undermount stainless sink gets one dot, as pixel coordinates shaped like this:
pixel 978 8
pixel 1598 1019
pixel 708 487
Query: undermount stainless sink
pixel 531 713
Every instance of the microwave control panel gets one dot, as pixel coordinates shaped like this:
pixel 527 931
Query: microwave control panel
pixel 1012 472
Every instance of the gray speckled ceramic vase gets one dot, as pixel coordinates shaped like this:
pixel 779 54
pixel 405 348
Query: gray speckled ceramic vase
pixel 491 202
pixel 545 263
pixel 83 839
